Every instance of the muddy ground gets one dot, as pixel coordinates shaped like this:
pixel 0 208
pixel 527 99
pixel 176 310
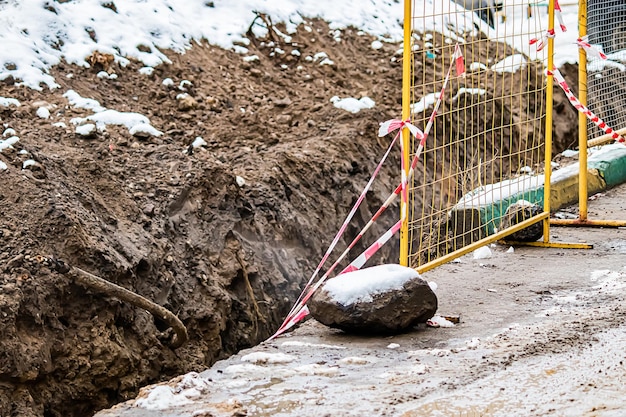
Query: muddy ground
pixel 174 223
pixel 541 333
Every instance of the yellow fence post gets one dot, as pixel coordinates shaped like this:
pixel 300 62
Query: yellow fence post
pixel 582 119
pixel 549 111
pixel 406 109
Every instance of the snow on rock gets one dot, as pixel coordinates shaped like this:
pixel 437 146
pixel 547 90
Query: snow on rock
pixel 317 370
pixel 511 63
pixel 161 397
pixel 43 113
pixel 87 129
pixel 352 104
pixel 482 253
pixel 106 75
pixel 361 285
pixel 146 70
pixel 476 66
pixel 425 102
pixel 144 129
pixel 8 143
pixel 6 102
pixel 29 162
pixel 9 132
pixel 380 299
pixel 377 45
pixel 198 142
pixel 82 103
pixel 3 166
pixel 136 123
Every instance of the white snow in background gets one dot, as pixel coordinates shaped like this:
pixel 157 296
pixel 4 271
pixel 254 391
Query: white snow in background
pixel 361 285
pixel 475 66
pixel 377 45
pixel 29 162
pixel 461 91
pixel 146 70
pixel 6 102
pixel 8 143
pixel 40 38
pixel 3 166
pixel 114 117
pixel 352 104
pixel 569 153
pixel 144 128
pixel 43 113
pixel 511 63
pixel 82 103
pixel 482 253
pixel 86 129
pixel 425 102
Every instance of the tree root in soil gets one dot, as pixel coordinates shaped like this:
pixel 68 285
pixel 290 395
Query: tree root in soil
pixel 108 288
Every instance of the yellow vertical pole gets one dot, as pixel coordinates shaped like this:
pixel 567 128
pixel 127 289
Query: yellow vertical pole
pixel 549 109
pixel 406 108
pixel 582 119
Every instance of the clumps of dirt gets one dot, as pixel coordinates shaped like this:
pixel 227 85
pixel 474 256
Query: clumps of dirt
pixel 220 219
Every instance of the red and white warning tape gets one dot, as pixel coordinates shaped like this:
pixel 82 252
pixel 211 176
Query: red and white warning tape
pixel 300 310
pixel 590 50
pixel 550 33
pixel 583 109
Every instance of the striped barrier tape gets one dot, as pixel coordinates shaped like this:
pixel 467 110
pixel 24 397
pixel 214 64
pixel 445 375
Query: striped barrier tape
pixel 583 109
pixel 589 49
pixel 550 33
pixel 299 311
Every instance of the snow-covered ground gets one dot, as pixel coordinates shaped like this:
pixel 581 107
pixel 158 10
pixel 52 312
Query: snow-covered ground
pixel 42 33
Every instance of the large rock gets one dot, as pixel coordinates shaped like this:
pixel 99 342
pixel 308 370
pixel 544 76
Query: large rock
pixel 381 299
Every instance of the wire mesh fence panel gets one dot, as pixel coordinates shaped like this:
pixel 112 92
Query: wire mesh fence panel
pixel 486 151
pixel 606 79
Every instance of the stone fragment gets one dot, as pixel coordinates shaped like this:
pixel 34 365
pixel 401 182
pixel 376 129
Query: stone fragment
pixel 383 299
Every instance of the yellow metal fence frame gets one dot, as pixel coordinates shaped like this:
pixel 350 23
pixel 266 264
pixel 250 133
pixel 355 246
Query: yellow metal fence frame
pixel 543 217
pixel 583 141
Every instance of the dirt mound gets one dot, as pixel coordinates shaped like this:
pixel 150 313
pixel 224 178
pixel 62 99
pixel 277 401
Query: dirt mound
pixel 223 234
